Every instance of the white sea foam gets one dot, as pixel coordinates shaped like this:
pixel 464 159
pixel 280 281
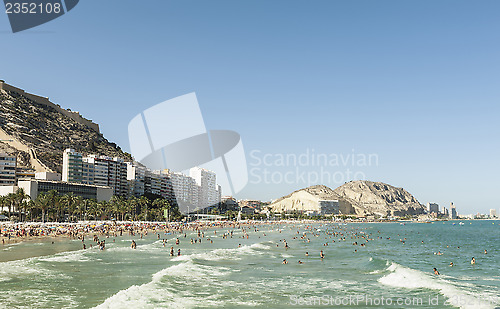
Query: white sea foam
pixel 72 256
pixel 162 293
pixel 225 254
pixel 26 268
pixel 404 277
pixel 19 268
pixel 378 271
pixel 36 299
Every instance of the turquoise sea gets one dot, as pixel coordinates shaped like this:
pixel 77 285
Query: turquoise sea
pixel 394 269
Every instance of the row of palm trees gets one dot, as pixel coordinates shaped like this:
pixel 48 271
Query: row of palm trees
pixel 51 206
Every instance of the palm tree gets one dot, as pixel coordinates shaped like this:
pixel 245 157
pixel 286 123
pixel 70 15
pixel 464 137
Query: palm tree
pixel 143 203
pixel 103 208
pixel 43 202
pixel 18 200
pixel 78 207
pixel 3 201
pixel 116 205
pixel 31 207
pixel 132 207
pixel 10 201
pixel 56 203
pixel 162 205
pixel 68 202
pixel 94 209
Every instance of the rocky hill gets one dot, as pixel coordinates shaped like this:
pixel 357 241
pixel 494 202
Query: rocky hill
pixel 355 197
pixel 38 131
pixel 307 199
pixel 370 197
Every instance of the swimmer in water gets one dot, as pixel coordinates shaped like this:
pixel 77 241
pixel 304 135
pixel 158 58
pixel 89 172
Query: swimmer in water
pixel 300 262
pixel 473 261
pixel 485 252
pixel 451 264
pixel 436 272
pixel 307 253
pixel 133 245
pixel 285 261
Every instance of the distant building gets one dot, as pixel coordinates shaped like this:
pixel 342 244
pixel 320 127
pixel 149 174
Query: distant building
pixel 433 208
pixel 248 210
pixel 33 187
pixel 445 212
pixel 493 213
pixel 8 165
pixel 252 203
pixel 228 203
pixel 329 207
pixel 453 211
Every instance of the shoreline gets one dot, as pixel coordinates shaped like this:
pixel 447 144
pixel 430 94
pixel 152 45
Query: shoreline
pixel 38 232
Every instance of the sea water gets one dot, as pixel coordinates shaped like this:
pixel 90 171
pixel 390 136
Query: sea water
pixel 393 270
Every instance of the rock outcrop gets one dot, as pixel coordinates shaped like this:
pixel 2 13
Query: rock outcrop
pixel 37 131
pixel 356 197
pixel 368 197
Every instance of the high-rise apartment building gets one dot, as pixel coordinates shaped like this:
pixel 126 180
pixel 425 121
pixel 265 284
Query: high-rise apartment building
pixel 433 208
pixel 7 169
pixel 72 166
pixel 206 180
pixel 453 211
pixel 95 170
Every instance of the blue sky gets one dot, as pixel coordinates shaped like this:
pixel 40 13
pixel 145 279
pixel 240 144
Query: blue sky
pixel 414 82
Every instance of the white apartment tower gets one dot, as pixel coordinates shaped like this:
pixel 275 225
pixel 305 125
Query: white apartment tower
pixel 206 180
pixel 72 166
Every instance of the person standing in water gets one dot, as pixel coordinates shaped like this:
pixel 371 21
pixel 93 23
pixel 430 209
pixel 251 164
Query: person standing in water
pixel 436 272
pixel 171 251
pixel 133 245
pixel 322 256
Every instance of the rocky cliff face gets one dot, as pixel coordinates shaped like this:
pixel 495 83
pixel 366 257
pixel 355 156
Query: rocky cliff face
pixel 304 200
pixel 356 197
pixel 38 133
pixel 368 197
